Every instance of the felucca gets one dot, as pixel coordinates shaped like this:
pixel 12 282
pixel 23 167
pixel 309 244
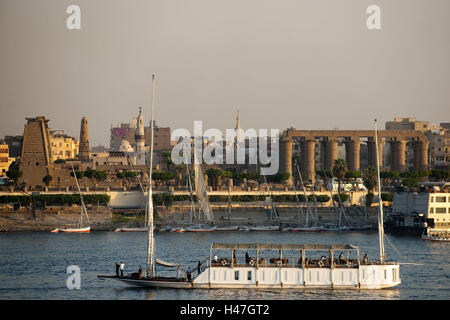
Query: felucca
pixel 79 228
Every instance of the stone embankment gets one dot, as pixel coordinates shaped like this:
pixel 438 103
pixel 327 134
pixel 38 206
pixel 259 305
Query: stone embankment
pixel 106 219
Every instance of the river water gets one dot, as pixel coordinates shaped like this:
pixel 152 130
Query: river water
pixel 34 265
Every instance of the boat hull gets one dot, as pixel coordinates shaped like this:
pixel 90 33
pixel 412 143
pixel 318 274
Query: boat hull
pixel 431 238
pixel 73 230
pixel 131 230
pixel 369 277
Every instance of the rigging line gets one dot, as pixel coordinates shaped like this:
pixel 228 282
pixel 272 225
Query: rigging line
pixel 393 247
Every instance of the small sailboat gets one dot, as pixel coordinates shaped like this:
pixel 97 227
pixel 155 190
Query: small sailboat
pixel 79 228
pixel 203 203
pixel 229 227
pixel 274 215
pixel 307 227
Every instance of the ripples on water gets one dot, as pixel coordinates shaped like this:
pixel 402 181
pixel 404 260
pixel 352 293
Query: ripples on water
pixel 33 265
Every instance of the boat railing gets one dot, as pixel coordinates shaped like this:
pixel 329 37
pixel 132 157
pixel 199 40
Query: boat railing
pixel 313 264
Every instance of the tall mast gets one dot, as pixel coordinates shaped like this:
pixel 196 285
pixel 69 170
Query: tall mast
pixel 380 205
pixel 150 240
pixel 83 207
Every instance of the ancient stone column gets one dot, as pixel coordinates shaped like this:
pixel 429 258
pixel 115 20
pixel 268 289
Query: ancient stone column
pixel 416 155
pixel 352 151
pixel 307 153
pixel 398 149
pixel 286 157
pixel 372 153
pixel 423 155
pixel 330 148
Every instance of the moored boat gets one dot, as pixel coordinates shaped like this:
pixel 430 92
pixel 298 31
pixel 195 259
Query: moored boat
pixel 79 228
pixel 200 228
pixel 264 228
pixel 431 234
pixel 143 229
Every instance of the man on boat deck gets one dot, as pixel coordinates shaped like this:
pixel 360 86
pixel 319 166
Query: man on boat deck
pixel 140 272
pixel 122 266
pixel 117 269
pixel 365 259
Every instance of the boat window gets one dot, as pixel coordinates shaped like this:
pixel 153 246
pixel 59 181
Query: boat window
pixel 431 210
pixel 441 210
pixel 236 275
pixel 385 274
pixel 441 199
pixel 249 275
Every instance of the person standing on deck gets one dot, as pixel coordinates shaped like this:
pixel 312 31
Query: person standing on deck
pixel 122 266
pixel 117 269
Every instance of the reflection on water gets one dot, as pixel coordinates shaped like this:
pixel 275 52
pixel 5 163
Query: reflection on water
pixel 33 265
pixel 260 294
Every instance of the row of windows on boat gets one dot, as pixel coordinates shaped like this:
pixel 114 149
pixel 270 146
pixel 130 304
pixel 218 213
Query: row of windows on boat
pixel 311 276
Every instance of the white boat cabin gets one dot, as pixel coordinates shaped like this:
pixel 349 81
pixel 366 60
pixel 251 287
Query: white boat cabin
pixel 294 266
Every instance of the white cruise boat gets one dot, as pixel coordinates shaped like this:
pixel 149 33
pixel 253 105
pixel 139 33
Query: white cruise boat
pixel 432 234
pixel 289 268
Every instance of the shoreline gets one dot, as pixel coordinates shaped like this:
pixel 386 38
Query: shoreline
pixel 107 219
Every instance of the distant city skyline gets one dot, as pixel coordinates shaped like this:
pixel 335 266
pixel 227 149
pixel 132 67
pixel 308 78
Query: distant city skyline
pixel 299 64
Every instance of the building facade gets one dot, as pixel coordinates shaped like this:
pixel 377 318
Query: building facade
pixel 127 132
pixel 5 159
pixel 63 146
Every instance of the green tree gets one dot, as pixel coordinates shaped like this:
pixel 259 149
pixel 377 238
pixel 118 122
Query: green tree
pixel 14 175
pixel 47 180
pixel 95 176
pixel 214 174
pixel 339 171
pixel 370 179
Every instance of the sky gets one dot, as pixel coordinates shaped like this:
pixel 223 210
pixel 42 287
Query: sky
pixel 283 63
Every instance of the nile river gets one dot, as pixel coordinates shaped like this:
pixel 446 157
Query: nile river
pixel 33 265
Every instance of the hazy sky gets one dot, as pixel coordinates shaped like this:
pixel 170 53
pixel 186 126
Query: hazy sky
pixel 306 64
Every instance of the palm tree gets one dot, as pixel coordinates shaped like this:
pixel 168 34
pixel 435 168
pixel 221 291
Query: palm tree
pixel 370 179
pixel 339 171
pixel 179 177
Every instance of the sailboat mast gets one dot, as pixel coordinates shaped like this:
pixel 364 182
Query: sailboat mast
pixel 308 210
pixel 150 240
pixel 380 204
pixel 83 207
